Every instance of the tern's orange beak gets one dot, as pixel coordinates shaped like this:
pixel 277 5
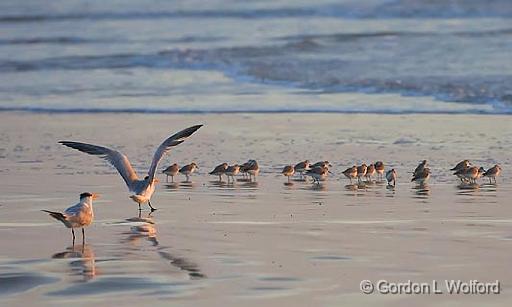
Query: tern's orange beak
pixel 95 196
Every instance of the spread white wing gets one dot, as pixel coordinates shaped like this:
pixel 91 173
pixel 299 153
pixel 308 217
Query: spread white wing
pixel 166 145
pixel 117 159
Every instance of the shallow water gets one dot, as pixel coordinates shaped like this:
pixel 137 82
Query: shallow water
pixel 172 56
pixel 267 242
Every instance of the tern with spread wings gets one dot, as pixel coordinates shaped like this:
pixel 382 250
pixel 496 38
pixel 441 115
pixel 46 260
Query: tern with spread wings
pixel 142 189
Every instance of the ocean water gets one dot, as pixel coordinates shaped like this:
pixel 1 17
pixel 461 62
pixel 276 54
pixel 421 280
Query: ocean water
pixel 387 56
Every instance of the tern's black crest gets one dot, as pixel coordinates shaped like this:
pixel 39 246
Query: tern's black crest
pixel 85 194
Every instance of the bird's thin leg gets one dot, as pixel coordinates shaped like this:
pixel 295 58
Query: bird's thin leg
pixel 172 179
pixel 139 208
pixel 83 236
pixel 166 178
pixel 187 178
pixel 73 233
pixel 149 203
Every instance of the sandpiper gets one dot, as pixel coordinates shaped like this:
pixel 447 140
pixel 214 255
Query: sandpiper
pixel 318 173
pixel 351 173
pixel 219 170
pixel 379 168
pixel 471 174
pixel 243 168
pixel 391 176
pixel 171 171
pixel 80 215
pixel 493 172
pixel 232 171
pixel 461 172
pixel 188 169
pixel 325 164
pixel 421 177
pixel 253 169
pixel 370 171
pixel 461 165
pixel 361 172
pixel 288 171
pixel 301 167
pixel 419 169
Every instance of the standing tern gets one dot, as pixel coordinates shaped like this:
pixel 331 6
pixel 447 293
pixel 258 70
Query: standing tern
pixel 142 189
pixel 77 216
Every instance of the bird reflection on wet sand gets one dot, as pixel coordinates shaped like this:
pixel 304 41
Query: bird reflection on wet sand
pixel 145 228
pixel 183 264
pixel 83 262
pixel 351 187
pixel 422 190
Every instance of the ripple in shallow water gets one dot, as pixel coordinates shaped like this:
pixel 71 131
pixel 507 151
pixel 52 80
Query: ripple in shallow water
pixel 12 283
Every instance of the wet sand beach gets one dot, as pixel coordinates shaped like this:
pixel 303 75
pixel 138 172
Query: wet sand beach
pixel 258 243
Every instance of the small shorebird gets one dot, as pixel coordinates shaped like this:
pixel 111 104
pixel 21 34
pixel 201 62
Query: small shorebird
pixel 188 169
pixel 301 167
pixel 351 173
pixel 471 174
pixel 421 177
pixel 253 169
pixel 461 173
pixel 171 171
pixel 142 189
pixel 391 176
pixel 379 168
pixel 461 165
pixel 325 164
pixel 493 172
pixel 288 171
pixel 361 172
pixel 318 173
pixel 370 171
pixel 243 168
pixel 80 215
pixel 219 170
pixel 232 171
pixel 419 169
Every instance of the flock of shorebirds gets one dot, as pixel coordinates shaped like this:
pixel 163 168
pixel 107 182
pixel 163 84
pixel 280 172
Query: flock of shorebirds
pixel 81 215
pixel 319 171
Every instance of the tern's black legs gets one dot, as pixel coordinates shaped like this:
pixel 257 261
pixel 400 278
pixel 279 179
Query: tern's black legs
pixel 152 209
pixel 73 233
pixel 83 236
